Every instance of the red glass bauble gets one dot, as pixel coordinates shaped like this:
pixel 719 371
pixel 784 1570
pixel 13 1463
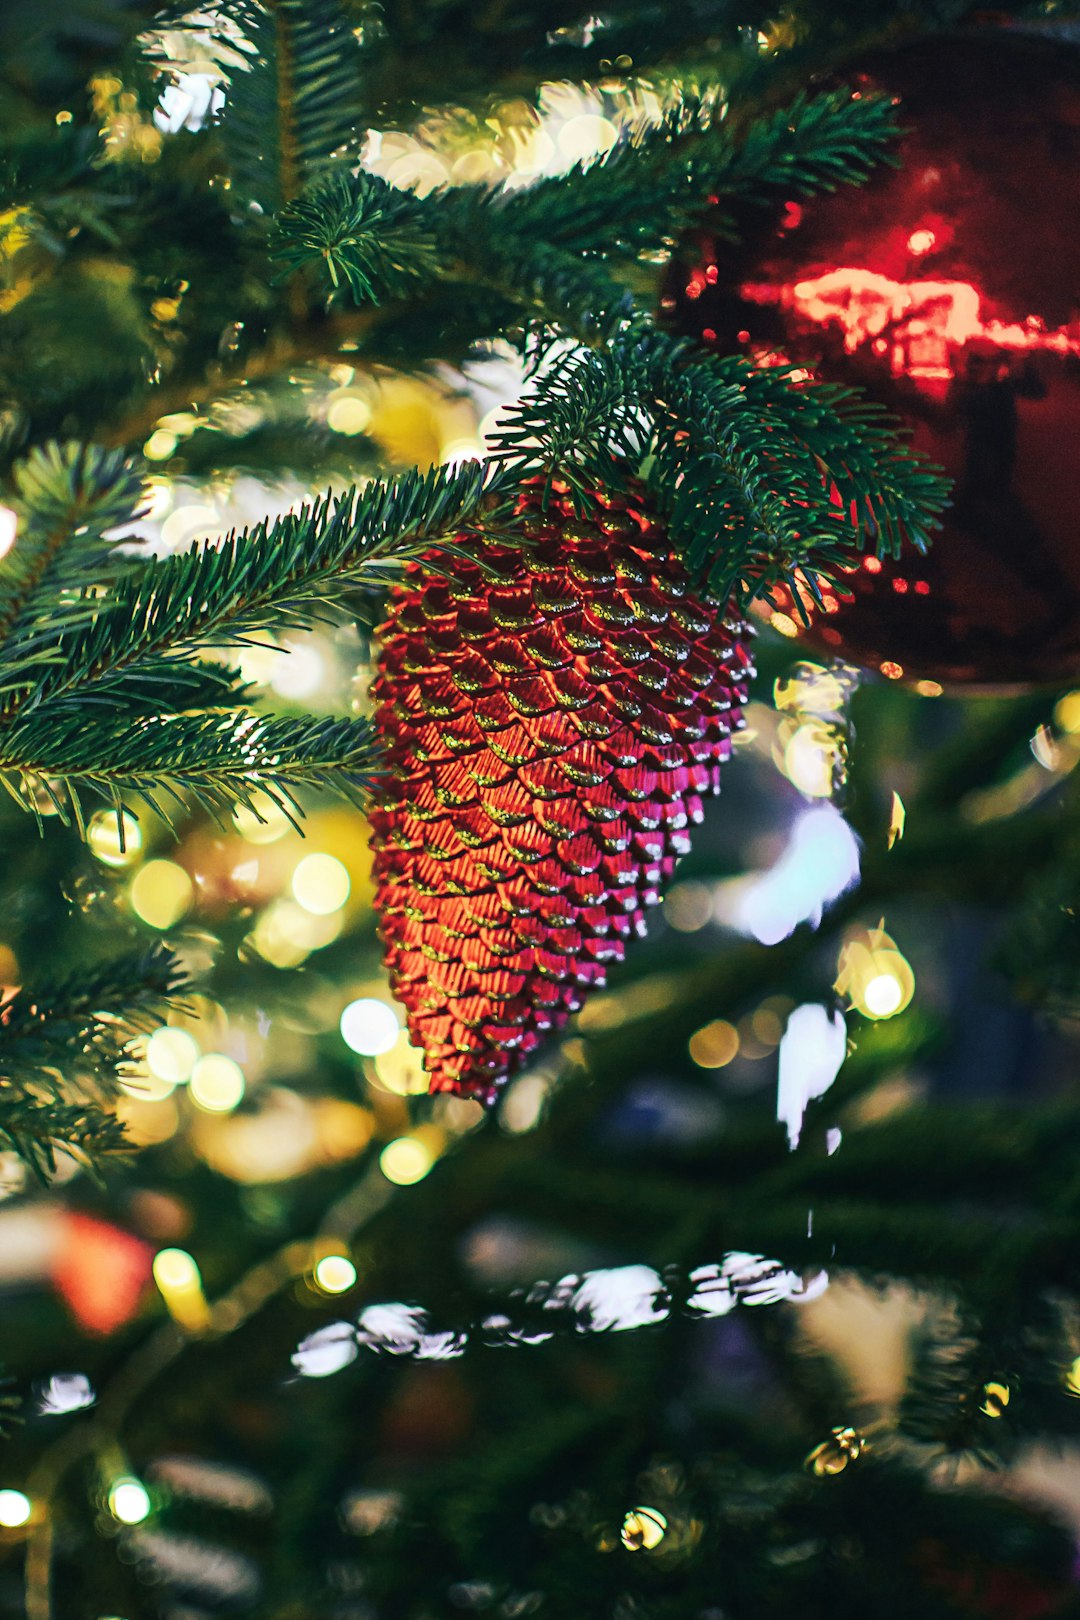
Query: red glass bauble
pixel 948 288
pixel 100 1271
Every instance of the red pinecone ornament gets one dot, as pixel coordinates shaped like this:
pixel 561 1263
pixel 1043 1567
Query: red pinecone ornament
pixel 551 728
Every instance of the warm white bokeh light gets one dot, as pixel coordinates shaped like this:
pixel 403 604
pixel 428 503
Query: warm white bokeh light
pixel 883 995
pixel 335 1274
pixel 129 1501
pixel 405 1161
pixel 176 1271
pixel 171 1055
pixel 321 884
pixel 115 841
pixel 15 1509
pixel 369 1027
pixel 161 892
pixel 217 1083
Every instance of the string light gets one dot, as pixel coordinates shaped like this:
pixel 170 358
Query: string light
pixel 176 1270
pixel 882 996
pixel 369 1027
pixel 820 862
pixel 147 1087
pixel 8 525
pixel 287 933
pixel 401 1068
pixel 844 1446
pixel 921 241
pixel 261 822
pixel 321 884
pixel 897 819
pixel 523 1102
pixel 874 976
pixel 643 1529
pixel 65 1392
pixel 217 1083
pixel 129 1500
pixel 115 839
pixel 996 1397
pixel 160 445
pixel 259 662
pixel 275 941
pixel 1045 749
pixel 347 413
pixel 715 1045
pixel 161 892
pixel 812 1051
pixel 326 1352
pixel 180 1284
pixel 585 136
pixel 811 759
pixel 335 1274
pixel 418 171
pixel 767 1023
pixel 15 1509
pixel 811 742
pixel 299 671
pixel 188 523
pixel 147 1120
pixel 688 907
pixel 284 1137
pixel 171 1055
pixel 1067 712
pixel 405 1161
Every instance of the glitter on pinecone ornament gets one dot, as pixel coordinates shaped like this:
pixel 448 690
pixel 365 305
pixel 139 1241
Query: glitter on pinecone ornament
pixel 552 722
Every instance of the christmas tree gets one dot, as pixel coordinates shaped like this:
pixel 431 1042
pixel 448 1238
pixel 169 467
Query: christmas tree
pixel 451 1163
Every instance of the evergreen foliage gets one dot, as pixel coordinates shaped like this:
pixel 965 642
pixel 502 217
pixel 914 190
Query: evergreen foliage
pixel 294 105
pixel 210 280
pixel 763 478
pixel 63 1045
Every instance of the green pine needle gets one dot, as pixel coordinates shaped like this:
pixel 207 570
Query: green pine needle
pixel 63 1047
pixel 294 109
pixel 366 236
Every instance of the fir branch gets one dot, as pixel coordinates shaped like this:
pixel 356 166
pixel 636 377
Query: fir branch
pixel 75 1035
pixel 218 761
pixel 65 496
pixel 541 246
pixel 762 477
pixel 41 166
pixel 367 236
pixel 381 243
pixel 659 180
pixel 37 1128
pixel 285 446
pixel 948 1404
pixel 759 476
pixel 295 107
pixel 554 289
pixel 581 420
pixel 80 484
pixel 84 1023
pixel 165 686
pixel 282 574
pixel 306 342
